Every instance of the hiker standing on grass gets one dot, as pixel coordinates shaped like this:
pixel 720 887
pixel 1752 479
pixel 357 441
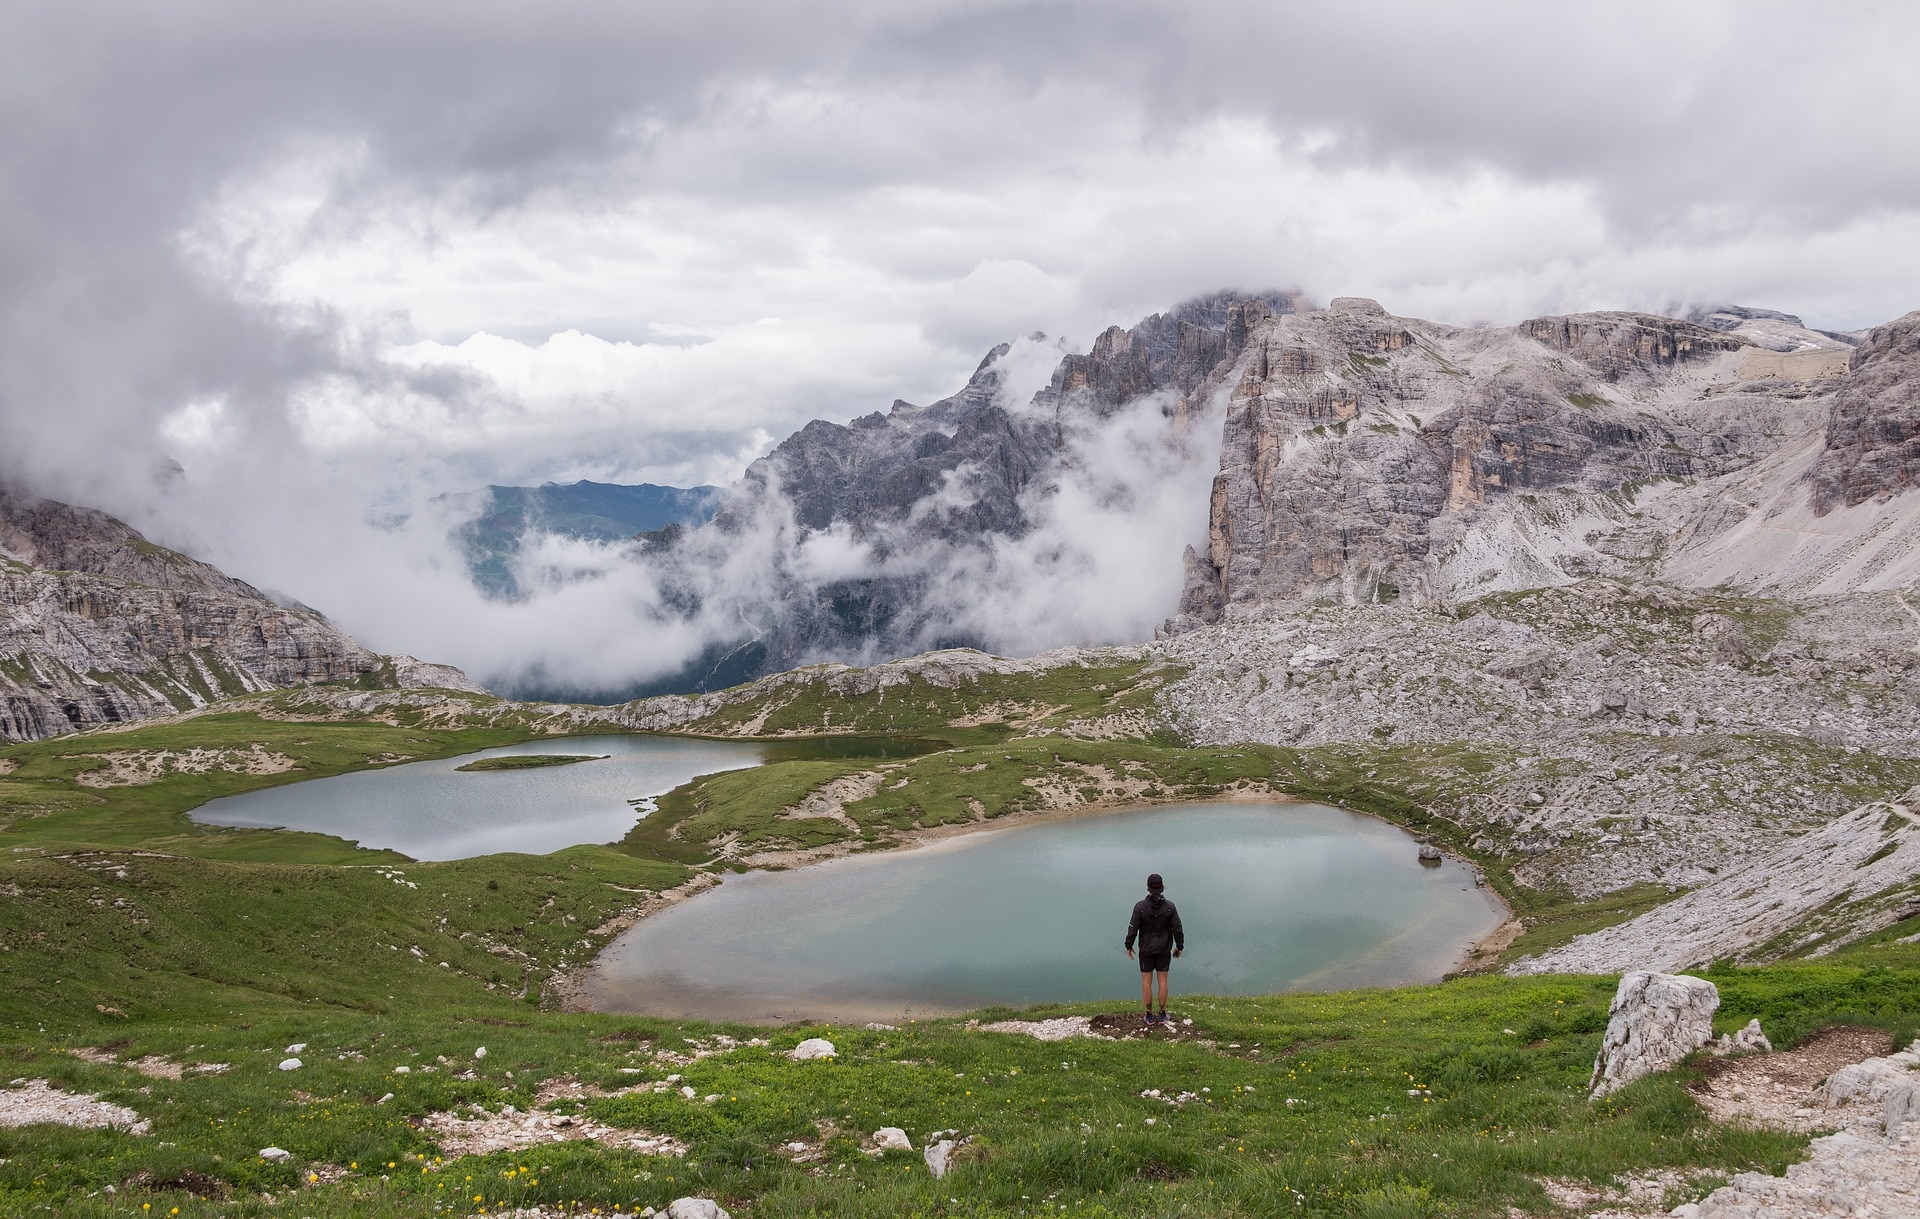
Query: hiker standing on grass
pixel 1157 925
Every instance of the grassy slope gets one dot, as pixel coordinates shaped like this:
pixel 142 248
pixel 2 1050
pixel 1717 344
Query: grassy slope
pixel 228 945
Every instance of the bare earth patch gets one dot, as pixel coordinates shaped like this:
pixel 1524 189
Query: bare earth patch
pixel 1059 1028
pixel 512 1130
pixel 1630 1197
pixel 33 1102
pixel 1777 1089
pixel 1106 1026
pixel 1135 725
pixel 138 767
pixel 9 765
pixel 153 1066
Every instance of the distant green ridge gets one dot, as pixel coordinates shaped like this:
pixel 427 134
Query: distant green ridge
pixel 586 511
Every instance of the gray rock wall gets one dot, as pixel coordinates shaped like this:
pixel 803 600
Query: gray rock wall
pixel 100 626
pixel 1873 431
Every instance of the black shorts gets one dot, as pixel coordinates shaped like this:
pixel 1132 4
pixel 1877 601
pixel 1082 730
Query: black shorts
pixel 1156 962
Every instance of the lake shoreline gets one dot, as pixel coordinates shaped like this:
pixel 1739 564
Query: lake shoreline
pixel 569 991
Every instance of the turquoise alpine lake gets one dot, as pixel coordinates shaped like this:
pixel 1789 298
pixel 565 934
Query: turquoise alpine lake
pixel 433 810
pixel 1274 897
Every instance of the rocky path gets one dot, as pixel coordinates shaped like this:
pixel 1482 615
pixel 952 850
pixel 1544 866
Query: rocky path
pixel 1841 1080
pixel 1868 1169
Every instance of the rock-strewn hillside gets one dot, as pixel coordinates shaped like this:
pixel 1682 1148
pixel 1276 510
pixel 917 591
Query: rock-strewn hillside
pixel 99 626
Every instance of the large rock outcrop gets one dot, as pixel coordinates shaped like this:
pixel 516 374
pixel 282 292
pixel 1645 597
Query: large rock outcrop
pixel 1873 430
pixel 100 626
pixel 1656 1020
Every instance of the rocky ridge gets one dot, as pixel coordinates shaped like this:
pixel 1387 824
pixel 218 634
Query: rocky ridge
pixel 1367 457
pixel 100 626
pixel 1814 892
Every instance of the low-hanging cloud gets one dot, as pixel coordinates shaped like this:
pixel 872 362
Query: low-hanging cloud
pixel 336 260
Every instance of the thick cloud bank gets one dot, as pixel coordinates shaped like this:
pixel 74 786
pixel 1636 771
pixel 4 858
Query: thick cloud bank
pixel 272 277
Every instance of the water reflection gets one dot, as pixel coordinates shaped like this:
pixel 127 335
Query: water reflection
pixel 1274 896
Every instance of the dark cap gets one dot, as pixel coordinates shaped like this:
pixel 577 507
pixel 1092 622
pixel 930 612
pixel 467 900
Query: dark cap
pixel 1155 883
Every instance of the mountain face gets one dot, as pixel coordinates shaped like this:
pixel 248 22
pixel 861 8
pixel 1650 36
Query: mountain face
pixel 1362 458
pixel 1367 457
pixel 101 626
pixel 1873 432
pixel 925 494
pixel 500 520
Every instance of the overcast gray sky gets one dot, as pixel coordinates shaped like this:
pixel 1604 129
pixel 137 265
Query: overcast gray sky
pixel 338 257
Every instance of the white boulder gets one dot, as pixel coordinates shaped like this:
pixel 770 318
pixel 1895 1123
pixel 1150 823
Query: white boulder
pixel 289 1064
pixel 275 1154
pixel 939 1157
pixel 1656 1020
pixel 1748 1040
pixel 1889 1083
pixel 481 1052
pixel 696 1208
pixel 811 1048
pixel 296 1047
pixel 891 1138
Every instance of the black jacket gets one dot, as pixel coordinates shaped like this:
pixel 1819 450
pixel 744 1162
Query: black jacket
pixel 1157 924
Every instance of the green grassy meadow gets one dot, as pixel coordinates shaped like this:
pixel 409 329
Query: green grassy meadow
pixel 128 931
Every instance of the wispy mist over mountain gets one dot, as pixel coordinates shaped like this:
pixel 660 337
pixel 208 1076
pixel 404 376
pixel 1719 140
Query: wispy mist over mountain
pixel 504 527
pixel 1046 503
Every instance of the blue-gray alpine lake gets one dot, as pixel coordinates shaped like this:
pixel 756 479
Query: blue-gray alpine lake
pixel 435 810
pixel 1274 897
pixel 432 810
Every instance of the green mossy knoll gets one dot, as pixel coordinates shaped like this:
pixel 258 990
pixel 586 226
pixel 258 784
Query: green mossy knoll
pixel 532 761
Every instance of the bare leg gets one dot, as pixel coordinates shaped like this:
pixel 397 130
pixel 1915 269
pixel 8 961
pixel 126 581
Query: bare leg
pixel 1146 990
pixel 1163 990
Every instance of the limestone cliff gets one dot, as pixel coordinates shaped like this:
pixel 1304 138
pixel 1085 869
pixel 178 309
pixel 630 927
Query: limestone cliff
pixel 99 626
pixel 1367 457
pixel 1873 431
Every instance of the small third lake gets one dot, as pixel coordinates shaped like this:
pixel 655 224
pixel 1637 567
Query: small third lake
pixel 1274 897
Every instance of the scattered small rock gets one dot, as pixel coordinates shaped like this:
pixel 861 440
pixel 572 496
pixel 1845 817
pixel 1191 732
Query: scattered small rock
pixel 1747 1041
pixel 939 1157
pixel 891 1138
pixel 696 1208
pixel 275 1155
